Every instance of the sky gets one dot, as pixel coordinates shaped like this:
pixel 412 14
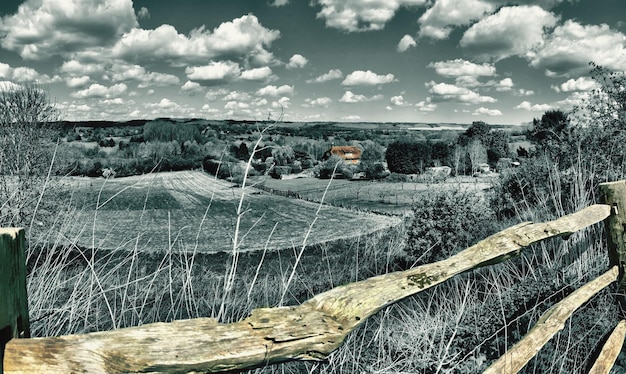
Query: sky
pixel 434 61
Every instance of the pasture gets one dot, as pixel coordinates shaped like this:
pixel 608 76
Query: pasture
pixel 377 196
pixel 190 209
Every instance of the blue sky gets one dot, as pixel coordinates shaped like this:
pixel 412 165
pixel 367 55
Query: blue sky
pixel 434 61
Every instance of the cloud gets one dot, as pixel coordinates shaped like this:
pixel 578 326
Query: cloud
pixel 99 91
pixel 163 104
pixel 351 118
pixel 283 102
pixel 258 74
pixel 234 105
pixel 525 105
pixel 214 73
pixel 275 91
pixel 460 67
pixel 237 96
pixel 398 101
pixel 76 82
pixel 124 72
pixel 297 61
pixel 360 15
pixel 505 84
pixel 487 112
pixel 450 92
pixel 9 86
pixel 523 92
pixel 320 102
pixel 212 94
pixel 332 74
pixel 580 84
pixel 243 38
pixel 437 21
pixel 191 88
pixel 509 32
pixel 426 106
pixel 278 3
pixel 571 46
pixel 26 74
pixel 77 68
pixel 143 13
pixel 366 78
pixel 405 43
pixel 351 98
pixel 43 28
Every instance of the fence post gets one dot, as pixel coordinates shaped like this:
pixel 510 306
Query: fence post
pixel 614 194
pixel 14 322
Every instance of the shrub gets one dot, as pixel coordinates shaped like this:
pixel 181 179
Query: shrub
pixel 445 222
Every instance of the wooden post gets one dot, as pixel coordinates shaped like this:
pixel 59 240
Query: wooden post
pixel 14 322
pixel 614 194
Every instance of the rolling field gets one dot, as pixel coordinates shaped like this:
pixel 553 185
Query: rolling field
pixel 179 210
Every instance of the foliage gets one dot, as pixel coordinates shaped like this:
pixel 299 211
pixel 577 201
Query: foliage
pixel 408 157
pixel 446 221
pixel 167 131
pixel 334 164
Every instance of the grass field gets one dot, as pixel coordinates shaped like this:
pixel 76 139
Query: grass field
pixel 166 211
pixel 387 197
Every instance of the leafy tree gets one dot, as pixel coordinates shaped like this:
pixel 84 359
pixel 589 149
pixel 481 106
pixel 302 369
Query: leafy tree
pixel 497 143
pixel 406 157
pixel 477 154
pixel 283 156
pixel 445 222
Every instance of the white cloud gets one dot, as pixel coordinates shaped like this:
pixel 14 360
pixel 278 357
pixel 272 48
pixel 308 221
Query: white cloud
pixel 351 98
pixel 460 67
pixel 523 92
pixel 278 3
pixel 360 15
pixel 191 88
pixel 579 84
pixel 242 37
pixel 283 102
pixel 366 78
pixel 212 95
pixel 398 101
pixel 45 28
pixel 297 61
pixel 351 118
pixel 214 73
pixel 487 112
pixel 124 72
pixel 99 91
pixel 235 105
pixel 332 74
pixel 143 13
pixel 437 21
pixel 320 102
pixel 450 92
pixel 76 82
pixel 77 68
pixel 237 96
pixel 258 74
pixel 525 105
pixel 426 106
pixel 509 32
pixel 275 91
pixel 505 84
pixel 405 43
pixel 163 104
pixel 571 46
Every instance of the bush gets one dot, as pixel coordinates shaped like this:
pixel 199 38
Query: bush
pixel 447 221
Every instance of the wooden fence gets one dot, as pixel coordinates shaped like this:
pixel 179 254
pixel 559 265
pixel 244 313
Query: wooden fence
pixel 312 330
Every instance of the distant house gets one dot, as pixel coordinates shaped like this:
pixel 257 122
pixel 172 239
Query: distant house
pixel 350 154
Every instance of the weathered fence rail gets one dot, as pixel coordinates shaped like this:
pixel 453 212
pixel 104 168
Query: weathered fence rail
pixel 314 329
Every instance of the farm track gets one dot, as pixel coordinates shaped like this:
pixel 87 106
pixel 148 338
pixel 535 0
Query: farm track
pixel 164 211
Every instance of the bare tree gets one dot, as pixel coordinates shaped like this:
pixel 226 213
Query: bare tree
pixel 26 115
pixel 477 154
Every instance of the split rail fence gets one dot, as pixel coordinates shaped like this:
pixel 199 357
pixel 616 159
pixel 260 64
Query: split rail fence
pixel 312 330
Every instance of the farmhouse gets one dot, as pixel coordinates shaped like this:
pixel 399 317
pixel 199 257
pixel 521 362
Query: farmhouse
pixel 349 153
